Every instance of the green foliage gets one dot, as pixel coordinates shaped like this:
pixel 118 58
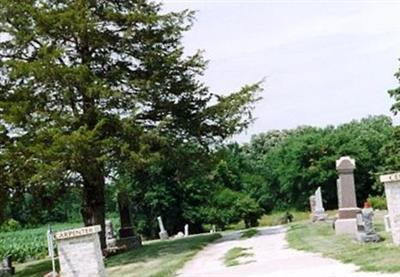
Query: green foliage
pixel 291 169
pixel 28 243
pixel 24 244
pixel 231 257
pixel 92 91
pixel 248 233
pixel 248 210
pixel 229 207
pixel 10 225
pixel 378 202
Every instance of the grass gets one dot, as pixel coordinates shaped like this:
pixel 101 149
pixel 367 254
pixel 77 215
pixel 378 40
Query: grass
pixel 155 259
pixel 231 258
pixel 320 237
pixel 248 233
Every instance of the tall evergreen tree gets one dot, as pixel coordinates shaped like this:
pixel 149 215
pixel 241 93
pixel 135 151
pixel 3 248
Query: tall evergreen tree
pixel 83 81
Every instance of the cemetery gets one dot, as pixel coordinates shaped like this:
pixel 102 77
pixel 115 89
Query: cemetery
pixel 199 138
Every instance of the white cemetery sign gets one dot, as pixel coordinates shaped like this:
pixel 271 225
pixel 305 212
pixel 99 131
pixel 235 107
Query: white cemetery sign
pixel 79 252
pixel 392 191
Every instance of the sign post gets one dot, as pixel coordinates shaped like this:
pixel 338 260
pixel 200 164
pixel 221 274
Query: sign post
pixel 50 245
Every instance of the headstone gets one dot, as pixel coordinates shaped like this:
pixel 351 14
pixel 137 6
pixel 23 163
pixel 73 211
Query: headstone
pixel 392 191
pixel 360 222
pixel 368 233
pixel 386 220
pixel 312 207
pixel 163 233
pixel 179 235
pixel 186 230
pixel 79 252
pixel 347 216
pixel 319 212
pixel 6 268
pixel 111 240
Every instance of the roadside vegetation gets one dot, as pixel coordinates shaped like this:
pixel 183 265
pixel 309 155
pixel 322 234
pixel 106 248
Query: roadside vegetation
pixel 320 238
pixel 232 257
pixel 248 233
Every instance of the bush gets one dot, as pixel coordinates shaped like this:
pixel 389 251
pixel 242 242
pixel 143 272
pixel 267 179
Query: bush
pixel 378 202
pixel 229 207
pixel 10 226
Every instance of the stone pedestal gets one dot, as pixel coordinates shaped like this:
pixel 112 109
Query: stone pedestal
pixel 392 191
pixel 79 252
pixel 347 214
pixel 363 237
pixel 346 226
pixel 163 235
pixel 129 243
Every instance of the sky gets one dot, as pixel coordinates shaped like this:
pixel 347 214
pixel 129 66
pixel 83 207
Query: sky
pixel 324 62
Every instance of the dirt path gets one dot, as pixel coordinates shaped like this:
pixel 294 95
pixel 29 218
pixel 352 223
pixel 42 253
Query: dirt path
pixel 271 258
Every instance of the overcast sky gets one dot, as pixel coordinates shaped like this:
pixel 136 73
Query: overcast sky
pixel 325 62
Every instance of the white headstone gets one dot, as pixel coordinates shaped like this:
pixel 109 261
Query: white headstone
pixel 163 233
pixel 319 206
pixel 79 252
pixel 186 230
pixel 319 212
pixel 392 191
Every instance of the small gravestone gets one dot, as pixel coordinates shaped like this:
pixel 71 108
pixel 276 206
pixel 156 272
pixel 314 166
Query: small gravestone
pixel 6 267
pixel 186 230
pixel 368 233
pixel 392 191
pixel 346 222
pixel 79 252
pixel 163 233
pixel 319 212
pixel 111 240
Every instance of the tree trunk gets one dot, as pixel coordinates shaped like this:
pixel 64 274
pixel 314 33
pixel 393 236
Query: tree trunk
pixel 93 206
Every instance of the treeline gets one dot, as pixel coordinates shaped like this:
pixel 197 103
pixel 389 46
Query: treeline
pixel 277 170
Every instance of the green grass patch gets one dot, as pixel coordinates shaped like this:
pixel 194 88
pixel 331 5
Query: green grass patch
pixel 231 258
pixel 155 259
pixel 320 237
pixel 248 233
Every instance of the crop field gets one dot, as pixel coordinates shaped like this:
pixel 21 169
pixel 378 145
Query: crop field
pixel 30 244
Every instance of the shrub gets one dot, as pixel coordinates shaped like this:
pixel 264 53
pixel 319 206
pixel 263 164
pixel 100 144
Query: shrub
pixel 378 202
pixel 10 226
